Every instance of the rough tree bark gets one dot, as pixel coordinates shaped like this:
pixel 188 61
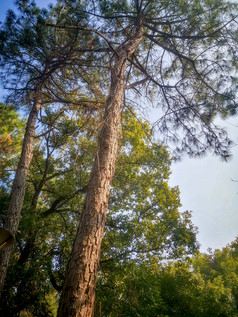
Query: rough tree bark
pixel 78 294
pixel 13 215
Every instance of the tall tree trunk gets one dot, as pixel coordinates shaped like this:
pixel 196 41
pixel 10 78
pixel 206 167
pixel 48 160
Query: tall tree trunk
pixel 13 215
pixel 78 294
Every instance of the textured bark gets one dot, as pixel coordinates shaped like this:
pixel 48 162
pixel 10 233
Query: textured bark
pixel 13 215
pixel 78 294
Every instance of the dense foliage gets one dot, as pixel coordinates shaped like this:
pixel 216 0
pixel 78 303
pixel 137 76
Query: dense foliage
pixel 142 235
pixel 11 131
pixel 139 229
pixel 203 286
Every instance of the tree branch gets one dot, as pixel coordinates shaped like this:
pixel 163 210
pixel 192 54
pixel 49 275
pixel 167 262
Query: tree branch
pixel 84 29
pixel 140 82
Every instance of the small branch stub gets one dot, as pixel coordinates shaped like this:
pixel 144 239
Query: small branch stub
pixel 7 239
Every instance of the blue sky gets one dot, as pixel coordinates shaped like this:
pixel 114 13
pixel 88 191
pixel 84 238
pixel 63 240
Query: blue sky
pixel 206 184
pixel 9 4
pixel 208 190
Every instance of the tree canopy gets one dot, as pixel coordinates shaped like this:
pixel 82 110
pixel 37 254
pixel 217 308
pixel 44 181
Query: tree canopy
pixel 185 64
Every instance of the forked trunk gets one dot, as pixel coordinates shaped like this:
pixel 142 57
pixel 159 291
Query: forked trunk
pixel 13 215
pixel 78 294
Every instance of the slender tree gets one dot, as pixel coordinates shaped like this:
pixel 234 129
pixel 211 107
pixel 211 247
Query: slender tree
pixel 182 53
pixel 33 57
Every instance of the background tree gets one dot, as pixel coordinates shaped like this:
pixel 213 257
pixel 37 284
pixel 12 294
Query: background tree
pixel 204 285
pixel 11 132
pixel 143 219
pixel 34 57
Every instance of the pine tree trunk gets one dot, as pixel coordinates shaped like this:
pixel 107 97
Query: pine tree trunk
pixel 78 294
pixel 13 215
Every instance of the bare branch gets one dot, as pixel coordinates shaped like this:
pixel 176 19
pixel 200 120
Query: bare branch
pixel 140 82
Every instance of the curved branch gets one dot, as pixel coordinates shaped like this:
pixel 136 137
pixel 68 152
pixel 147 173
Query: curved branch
pixel 78 27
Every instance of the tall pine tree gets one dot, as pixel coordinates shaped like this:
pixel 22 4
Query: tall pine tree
pixel 184 54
